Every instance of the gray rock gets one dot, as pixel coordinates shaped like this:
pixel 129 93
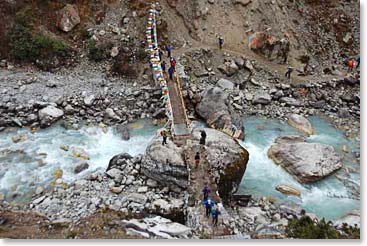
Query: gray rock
pixel 88 100
pixel 225 84
pixel 308 162
pixel 68 18
pixel 81 167
pixel 291 101
pixel 261 98
pixel 49 115
pixel 137 198
pixel 301 123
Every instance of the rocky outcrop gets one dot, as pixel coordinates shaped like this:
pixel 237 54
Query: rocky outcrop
pixel 301 123
pixel 228 68
pixel 273 48
pixel 308 162
pixel 165 164
pixel 287 190
pixel 228 160
pixel 214 109
pixel 353 218
pixel 68 18
pixel 49 115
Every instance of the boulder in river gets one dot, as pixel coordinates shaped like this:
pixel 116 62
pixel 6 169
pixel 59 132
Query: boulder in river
pixel 228 159
pixel 301 123
pixel 287 190
pixel 123 132
pixel 81 167
pixel 49 115
pixel 308 162
pixel 213 107
pixel 165 163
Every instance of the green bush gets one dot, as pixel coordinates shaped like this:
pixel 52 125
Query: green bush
pixel 96 52
pixel 25 45
pixel 306 228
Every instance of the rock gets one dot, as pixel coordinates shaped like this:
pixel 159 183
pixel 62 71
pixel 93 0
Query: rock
pixel 292 209
pixel 88 101
pixel 165 164
pixel 227 158
pixel 39 190
pixel 81 167
pixel 69 109
pixel 137 198
pixel 152 183
pixel 142 189
pixel 269 46
pixel 213 107
pixel 115 174
pixel 68 17
pixel 133 232
pixel 343 113
pixel 80 153
pixel 114 51
pixel 308 162
pixel 250 214
pixel 116 190
pixel 124 132
pixel 64 147
pixel 301 123
pixel 348 39
pixel 261 98
pixel 49 115
pixel 229 68
pixel 242 2
pixel 119 161
pixel 19 138
pixel 111 114
pixel 162 204
pixel 289 139
pixel 291 101
pixel 287 190
pixel 39 200
pixel 225 84
pixel 352 218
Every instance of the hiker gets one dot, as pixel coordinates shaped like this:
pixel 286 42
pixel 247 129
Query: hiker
pixel 220 41
pixel 208 206
pixel 160 53
pixel 358 61
pixel 203 137
pixel 164 136
pixel 288 73
pixel 215 215
pixel 171 71
pixel 206 192
pixel 350 65
pixel 173 62
pixel 169 50
pixel 163 66
pixel 197 159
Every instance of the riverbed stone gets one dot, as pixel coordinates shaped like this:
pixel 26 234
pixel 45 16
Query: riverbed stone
pixel 49 115
pixel 308 162
pixel 301 123
pixel 287 190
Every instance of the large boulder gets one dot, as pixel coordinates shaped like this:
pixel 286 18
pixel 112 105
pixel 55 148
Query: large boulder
pixel 165 164
pixel 301 123
pixel 228 68
pixel 225 84
pixel 49 115
pixel 287 190
pixel 308 162
pixel 68 18
pixel 271 47
pixel 261 98
pixel 353 218
pixel 213 107
pixel 228 159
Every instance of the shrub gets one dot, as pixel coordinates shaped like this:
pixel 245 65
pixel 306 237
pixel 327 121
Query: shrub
pixel 306 228
pixel 96 52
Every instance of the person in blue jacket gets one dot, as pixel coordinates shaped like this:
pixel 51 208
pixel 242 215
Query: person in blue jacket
pixel 169 50
pixel 209 203
pixel 206 192
pixel 215 215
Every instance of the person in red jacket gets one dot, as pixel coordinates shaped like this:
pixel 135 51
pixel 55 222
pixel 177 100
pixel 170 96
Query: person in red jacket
pixel 173 63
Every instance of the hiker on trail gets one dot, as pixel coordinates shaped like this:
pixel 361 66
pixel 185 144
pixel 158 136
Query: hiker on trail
pixel 173 62
pixel 163 66
pixel 220 42
pixel 197 159
pixel 164 136
pixel 171 71
pixel 203 137
pixel 358 61
pixel 350 65
pixel 209 203
pixel 206 192
pixel 160 53
pixel 215 215
pixel 169 50
pixel 288 73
